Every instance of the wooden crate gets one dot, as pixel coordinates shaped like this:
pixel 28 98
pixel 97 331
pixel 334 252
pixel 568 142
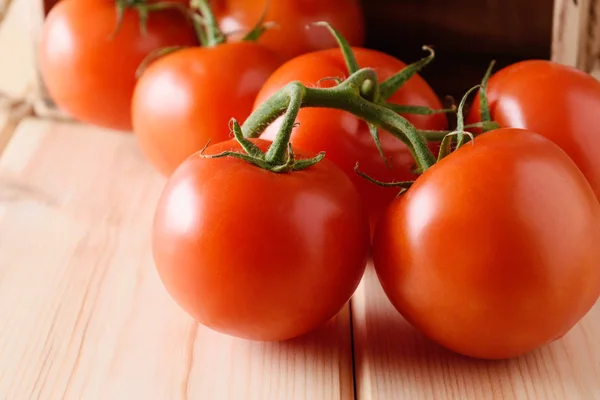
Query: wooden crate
pixel 576 34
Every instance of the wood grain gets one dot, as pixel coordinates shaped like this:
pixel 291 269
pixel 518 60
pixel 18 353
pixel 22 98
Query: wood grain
pixel 393 361
pixel 83 313
pixel 576 34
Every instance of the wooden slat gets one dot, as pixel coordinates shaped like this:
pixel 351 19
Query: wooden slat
pixel 393 361
pixel 17 66
pixel 83 313
pixel 576 34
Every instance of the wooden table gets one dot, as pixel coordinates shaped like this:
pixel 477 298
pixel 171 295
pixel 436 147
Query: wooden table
pixel 84 315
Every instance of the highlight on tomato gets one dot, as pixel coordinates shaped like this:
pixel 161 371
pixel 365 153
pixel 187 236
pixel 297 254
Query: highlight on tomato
pixel 345 138
pixel 289 37
pixel 184 99
pixel 554 100
pixel 90 51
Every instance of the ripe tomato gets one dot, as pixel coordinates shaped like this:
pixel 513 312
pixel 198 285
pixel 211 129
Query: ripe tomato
pixel 493 251
pixel 344 137
pixel 256 254
pixel 553 100
pixel 291 37
pixel 90 73
pixel 187 98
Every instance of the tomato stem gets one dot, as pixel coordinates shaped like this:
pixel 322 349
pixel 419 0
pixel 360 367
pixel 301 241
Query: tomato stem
pixel 207 27
pixel 143 9
pixel 460 119
pixel 279 148
pixel 395 82
pixel 261 26
pixel 345 96
pixel 418 110
pixel 484 106
pixel 401 184
pixel 345 47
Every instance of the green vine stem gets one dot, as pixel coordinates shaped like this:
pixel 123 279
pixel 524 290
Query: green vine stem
pixel 460 119
pixel 345 47
pixel 277 151
pixel 143 8
pixel 261 26
pixel 484 106
pixel 207 27
pixel 395 82
pixel 347 97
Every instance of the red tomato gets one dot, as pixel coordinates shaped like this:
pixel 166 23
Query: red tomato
pixel 89 73
pixel 553 100
pixel 256 254
pixel 493 251
pixel 187 98
pixel 291 37
pixel 344 137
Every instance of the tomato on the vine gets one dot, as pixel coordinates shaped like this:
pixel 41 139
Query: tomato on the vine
pixel 290 37
pixel 186 99
pixel 258 254
pixel 556 101
pixel 345 138
pixel 494 251
pixel 89 66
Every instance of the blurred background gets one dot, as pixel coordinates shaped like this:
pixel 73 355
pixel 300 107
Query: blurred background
pixel 467 35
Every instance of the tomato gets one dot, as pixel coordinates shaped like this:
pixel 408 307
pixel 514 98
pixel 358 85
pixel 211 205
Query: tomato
pixel 89 73
pixel 290 37
pixel 344 137
pixel 255 254
pixel 493 251
pixel 187 98
pixel 553 100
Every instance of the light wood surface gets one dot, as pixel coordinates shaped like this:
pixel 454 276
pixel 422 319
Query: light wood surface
pixel 17 65
pixel 576 34
pixel 393 361
pixel 83 313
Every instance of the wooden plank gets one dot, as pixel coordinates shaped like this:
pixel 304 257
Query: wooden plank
pixel 393 361
pixel 576 34
pixel 83 313
pixel 17 66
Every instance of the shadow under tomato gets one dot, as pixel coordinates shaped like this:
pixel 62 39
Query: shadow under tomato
pixel 390 353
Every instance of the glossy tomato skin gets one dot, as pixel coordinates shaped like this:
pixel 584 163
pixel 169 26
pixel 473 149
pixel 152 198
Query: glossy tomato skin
pixel 345 138
pixel 182 99
pixel 494 251
pixel 255 254
pixel 553 100
pixel 290 37
pixel 89 73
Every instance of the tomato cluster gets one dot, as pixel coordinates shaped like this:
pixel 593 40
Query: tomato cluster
pixel 484 237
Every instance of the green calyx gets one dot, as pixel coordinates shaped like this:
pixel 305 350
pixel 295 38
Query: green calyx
pixel 207 27
pixel 380 93
pixel 205 23
pixel 280 157
pixel 484 106
pixel 143 8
